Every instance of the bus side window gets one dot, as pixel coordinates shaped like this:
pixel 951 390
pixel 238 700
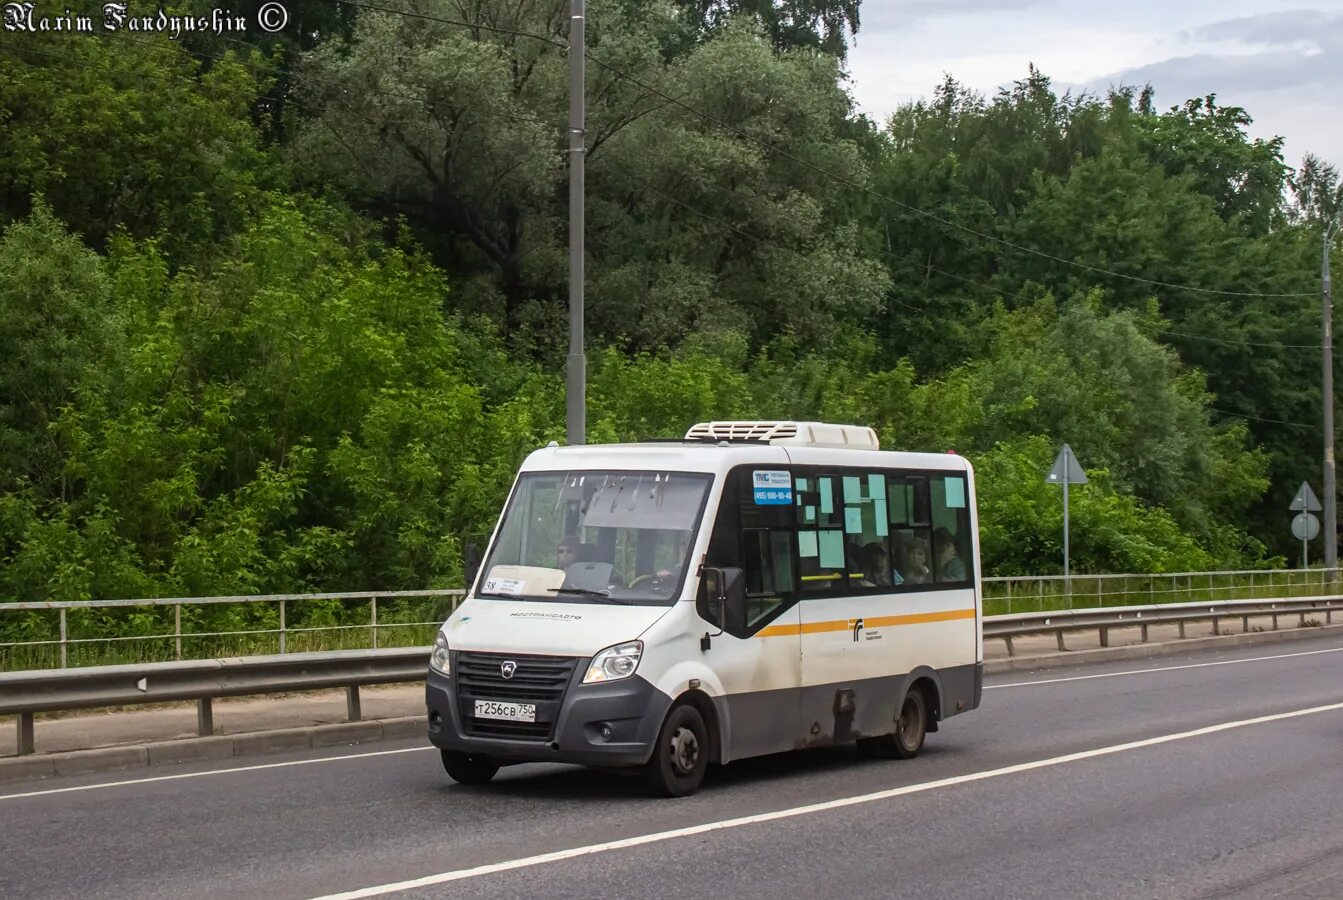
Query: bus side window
pixel 820 534
pixel 952 561
pixel 767 555
pixel 911 527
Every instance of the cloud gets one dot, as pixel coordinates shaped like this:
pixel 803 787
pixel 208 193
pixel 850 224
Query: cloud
pixel 879 15
pixel 1272 28
pixel 1258 54
pixel 1283 68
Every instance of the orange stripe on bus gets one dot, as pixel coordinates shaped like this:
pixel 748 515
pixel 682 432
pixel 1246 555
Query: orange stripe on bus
pixel 868 622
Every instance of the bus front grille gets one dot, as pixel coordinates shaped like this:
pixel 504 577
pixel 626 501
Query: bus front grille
pixel 539 680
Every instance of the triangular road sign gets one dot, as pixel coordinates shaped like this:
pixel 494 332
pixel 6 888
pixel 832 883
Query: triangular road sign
pixel 1066 468
pixel 1305 499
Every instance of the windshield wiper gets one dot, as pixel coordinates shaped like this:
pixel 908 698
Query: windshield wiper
pixel 586 592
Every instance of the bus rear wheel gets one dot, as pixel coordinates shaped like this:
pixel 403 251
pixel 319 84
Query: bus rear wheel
pixel 911 728
pixel 467 768
pixel 681 755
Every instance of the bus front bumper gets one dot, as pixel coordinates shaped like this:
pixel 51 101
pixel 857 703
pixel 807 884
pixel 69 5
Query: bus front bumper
pixel 614 724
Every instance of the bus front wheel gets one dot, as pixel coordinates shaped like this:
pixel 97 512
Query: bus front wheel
pixel 681 755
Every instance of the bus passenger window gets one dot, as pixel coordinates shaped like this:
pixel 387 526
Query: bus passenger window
pixel 768 568
pixel 951 529
pixel 820 535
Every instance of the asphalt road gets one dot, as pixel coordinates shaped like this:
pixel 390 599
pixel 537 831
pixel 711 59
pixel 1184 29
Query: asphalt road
pixel 1034 795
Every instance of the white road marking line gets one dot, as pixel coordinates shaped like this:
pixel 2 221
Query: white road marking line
pixel 1225 662
pixel 557 856
pixel 279 765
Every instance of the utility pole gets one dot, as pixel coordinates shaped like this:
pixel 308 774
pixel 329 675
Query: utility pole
pixel 575 399
pixel 1330 489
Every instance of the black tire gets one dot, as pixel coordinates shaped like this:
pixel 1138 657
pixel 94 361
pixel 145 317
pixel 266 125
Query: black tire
pixel 680 756
pixel 911 728
pixel 464 768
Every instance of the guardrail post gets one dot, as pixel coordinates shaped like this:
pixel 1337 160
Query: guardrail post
pixel 1244 623
pixel 373 619
pixel 1144 632
pixel 1275 621
pixel 205 718
pixel 281 626
pixel 64 658
pixel 1105 635
pixel 352 703
pixel 177 628
pixel 1059 635
pixel 25 734
pixel 1216 625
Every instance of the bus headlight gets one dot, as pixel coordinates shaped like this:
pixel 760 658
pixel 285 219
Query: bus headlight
pixel 438 659
pixel 615 663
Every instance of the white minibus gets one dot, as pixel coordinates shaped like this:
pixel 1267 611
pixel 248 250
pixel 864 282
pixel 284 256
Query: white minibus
pixel 752 588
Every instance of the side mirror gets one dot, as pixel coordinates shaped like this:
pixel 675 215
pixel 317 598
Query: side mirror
pixel 724 598
pixel 471 560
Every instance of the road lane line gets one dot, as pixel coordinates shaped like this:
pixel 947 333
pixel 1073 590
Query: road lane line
pixel 279 765
pixel 1225 662
pixel 560 855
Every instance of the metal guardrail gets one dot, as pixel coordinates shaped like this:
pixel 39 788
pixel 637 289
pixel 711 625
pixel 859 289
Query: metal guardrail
pixel 61 634
pixel 1060 622
pixel 55 629
pixel 26 693
pixel 1038 593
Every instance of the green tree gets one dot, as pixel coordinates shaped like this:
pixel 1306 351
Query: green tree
pixel 128 133
pixel 691 227
pixel 57 328
pixel 790 24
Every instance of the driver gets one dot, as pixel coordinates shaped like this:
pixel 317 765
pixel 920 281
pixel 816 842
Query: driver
pixel 661 578
pixel 566 552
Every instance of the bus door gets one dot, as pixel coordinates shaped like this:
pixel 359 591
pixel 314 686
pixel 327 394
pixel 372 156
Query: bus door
pixel 759 666
pixel 843 530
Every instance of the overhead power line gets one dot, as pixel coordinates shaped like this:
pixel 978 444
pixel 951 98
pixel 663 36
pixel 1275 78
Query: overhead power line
pixel 1227 412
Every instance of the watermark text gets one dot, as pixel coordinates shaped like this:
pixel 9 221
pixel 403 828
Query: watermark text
pixel 27 16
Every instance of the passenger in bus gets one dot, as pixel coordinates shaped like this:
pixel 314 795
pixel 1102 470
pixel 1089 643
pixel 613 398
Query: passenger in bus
pixel 949 563
pixel 855 560
pixel 916 562
pixel 877 569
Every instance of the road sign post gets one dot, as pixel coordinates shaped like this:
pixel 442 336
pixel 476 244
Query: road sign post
pixel 1305 527
pixel 1066 470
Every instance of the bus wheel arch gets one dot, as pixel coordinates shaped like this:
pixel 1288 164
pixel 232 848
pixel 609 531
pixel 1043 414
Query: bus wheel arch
pixel 709 713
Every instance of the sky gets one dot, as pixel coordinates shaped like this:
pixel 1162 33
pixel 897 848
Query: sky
pixel 1281 61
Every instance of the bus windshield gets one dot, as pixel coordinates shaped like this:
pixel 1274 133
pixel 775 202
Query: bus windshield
pixel 608 536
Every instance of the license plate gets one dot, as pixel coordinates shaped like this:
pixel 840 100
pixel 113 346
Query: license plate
pixel 513 712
